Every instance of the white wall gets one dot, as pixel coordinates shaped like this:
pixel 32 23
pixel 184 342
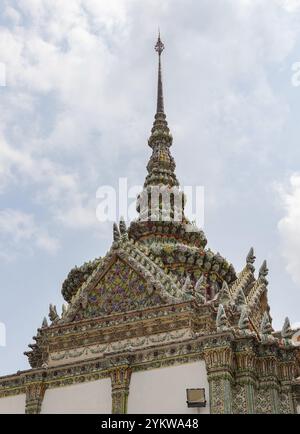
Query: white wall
pixel 160 390
pixel 90 397
pixel 13 404
pixel 164 390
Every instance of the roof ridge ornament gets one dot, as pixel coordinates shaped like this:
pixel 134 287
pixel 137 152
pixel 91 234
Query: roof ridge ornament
pixel 53 315
pixel 250 260
pixel 286 331
pixel 222 320
pixel 116 233
pixel 263 272
pixel 224 294
pixel 266 326
pixel 244 320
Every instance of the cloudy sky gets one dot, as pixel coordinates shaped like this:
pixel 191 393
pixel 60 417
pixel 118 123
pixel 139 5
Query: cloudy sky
pixel 76 113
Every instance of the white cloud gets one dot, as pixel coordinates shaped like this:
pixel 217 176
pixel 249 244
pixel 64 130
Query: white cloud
pixel 19 229
pixel 81 91
pixel 290 5
pixel 78 217
pixel 45 242
pixel 289 225
pixel 59 191
pixel 18 225
pixel 63 51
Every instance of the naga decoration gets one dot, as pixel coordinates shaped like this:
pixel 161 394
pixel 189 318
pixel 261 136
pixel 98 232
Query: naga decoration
pixel 53 316
pixel 116 233
pixel 263 272
pixel 64 310
pixel 122 226
pixel 286 331
pixel 250 260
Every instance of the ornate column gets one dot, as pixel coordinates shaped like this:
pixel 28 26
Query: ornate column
pixel 267 397
pixel 219 360
pixel 287 374
pixel 120 381
pixel 34 397
pixel 244 390
pixel 296 397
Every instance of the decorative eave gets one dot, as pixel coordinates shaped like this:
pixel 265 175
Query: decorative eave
pixel 118 329
pixel 148 231
pixel 217 348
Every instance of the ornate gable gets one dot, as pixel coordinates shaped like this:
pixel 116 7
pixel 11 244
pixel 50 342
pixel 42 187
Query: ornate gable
pixel 120 289
pixel 125 279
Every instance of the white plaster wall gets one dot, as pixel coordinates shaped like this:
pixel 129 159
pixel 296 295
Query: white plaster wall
pixel 163 390
pixel 90 397
pixel 13 404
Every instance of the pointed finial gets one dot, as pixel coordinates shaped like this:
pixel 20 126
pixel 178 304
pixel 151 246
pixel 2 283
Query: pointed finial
pixel 159 48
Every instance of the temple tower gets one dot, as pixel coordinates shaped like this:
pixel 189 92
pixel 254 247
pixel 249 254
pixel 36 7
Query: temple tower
pixel 161 323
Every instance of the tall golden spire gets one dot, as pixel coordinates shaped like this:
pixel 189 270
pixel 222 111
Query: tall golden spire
pixel 161 203
pixel 161 166
pixel 159 47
